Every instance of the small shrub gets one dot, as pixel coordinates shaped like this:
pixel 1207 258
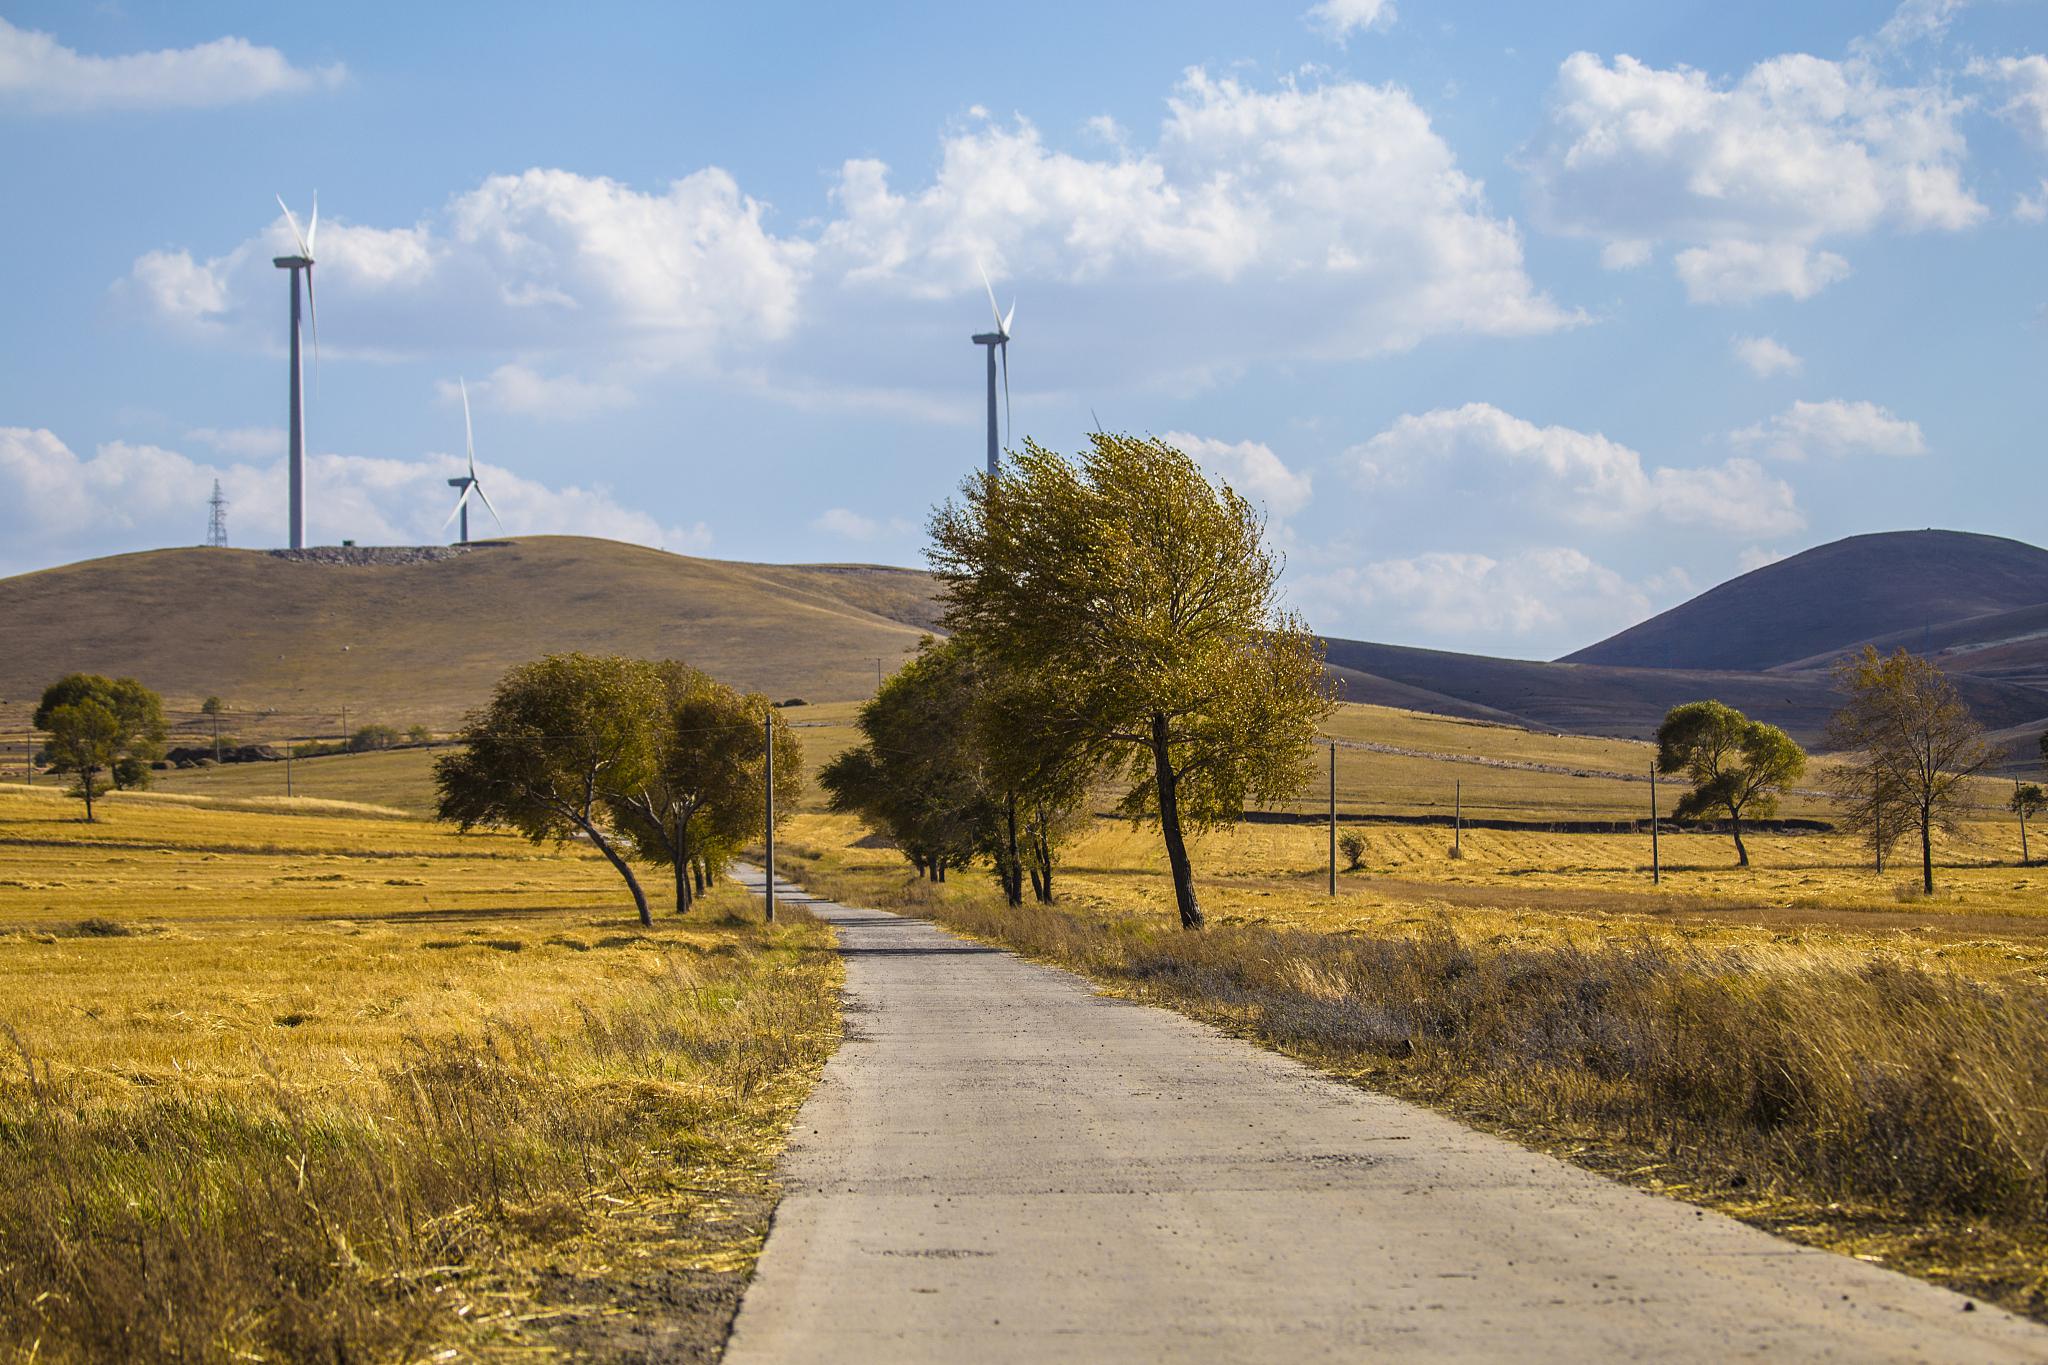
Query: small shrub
pixel 372 737
pixel 1352 845
pixel 100 928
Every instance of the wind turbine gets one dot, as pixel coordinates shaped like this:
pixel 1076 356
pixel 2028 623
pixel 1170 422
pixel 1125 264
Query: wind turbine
pixel 998 340
pixel 295 264
pixel 468 482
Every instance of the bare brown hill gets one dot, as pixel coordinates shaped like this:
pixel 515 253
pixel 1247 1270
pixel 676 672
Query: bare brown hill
pixel 410 638
pixel 1595 699
pixel 1902 585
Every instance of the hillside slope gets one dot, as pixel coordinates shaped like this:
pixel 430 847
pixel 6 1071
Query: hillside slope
pixel 424 641
pixel 1815 604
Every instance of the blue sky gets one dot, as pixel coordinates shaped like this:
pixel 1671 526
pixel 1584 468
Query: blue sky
pixel 1521 321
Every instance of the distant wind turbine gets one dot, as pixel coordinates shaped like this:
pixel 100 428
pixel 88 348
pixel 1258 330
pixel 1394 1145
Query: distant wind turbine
pixel 295 264
pixel 468 482
pixel 998 340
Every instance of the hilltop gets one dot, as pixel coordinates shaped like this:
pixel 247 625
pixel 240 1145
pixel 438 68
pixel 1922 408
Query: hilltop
pixel 1897 586
pixel 413 637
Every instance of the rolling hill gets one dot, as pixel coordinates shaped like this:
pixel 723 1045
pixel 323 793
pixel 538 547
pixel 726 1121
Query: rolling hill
pixel 1895 585
pixel 420 636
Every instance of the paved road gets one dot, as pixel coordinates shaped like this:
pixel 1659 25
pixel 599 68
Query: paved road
pixel 1001 1165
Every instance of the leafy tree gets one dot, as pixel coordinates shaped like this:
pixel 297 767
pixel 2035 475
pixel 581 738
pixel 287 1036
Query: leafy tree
pixel 706 794
pixel 85 739
pixel 1352 845
pixel 373 737
pixel 1141 604
pixel 2028 801
pixel 1735 764
pixel 1910 731
pixel 560 739
pixel 212 708
pixel 917 775
pixel 121 743
pixel 417 734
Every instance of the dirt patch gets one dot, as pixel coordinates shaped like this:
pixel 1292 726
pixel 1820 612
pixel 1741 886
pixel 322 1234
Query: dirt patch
pixel 654 1312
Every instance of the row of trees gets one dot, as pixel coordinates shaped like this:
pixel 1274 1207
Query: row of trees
pixel 1907 746
pixel 650 762
pixel 1114 618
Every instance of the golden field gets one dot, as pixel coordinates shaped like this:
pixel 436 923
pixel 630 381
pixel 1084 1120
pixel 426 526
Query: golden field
pixel 296 1080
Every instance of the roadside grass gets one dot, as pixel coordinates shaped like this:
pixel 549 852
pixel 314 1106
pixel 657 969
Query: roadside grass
pixel 335 1086
pixel 1877 1090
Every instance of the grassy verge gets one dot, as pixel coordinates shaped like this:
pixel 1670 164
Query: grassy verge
pixel 368 1091
pixel 1845 1097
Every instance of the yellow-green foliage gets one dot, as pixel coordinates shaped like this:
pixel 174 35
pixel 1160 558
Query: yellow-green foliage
pixel 295 1086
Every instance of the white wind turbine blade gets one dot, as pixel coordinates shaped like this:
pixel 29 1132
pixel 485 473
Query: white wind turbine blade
pixel 297 235
pixel 313 316
pixel 313 227
pixel 458 506
pixel 468 432
pixel 487 503
pixel 995 310
pixel 1007 316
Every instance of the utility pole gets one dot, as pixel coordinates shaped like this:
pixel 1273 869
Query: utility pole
pixel 878 673
pixel 217 518
pixel 1458 819
pixel 2021 811
pixel 287 767
pixel 768 880
pixel 1333 817
pixel 344 723
pixel 28 756
pixel 1656 865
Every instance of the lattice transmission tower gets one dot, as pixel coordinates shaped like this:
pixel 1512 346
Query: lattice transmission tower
pixel 217 517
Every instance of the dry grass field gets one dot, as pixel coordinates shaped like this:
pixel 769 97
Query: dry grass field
pixel 311 1080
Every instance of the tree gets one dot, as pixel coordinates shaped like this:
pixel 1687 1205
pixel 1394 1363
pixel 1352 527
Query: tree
pixel 560 738
pixel 918 775
pixel 1735 764
pixel 211 708
pixel 1904 723
pixel 85 738
pixel 1141 604
pixel 1352 845
pixel 373 737
pixel 2028 801
pixel 1869 802
pixel 706 794
pixel 99 725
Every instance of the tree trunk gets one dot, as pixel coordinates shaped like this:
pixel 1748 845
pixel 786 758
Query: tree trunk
pixel 685 865
pixel 1013 855
pixel 1927 850
pixel 85 782
pixel 1169 829
pixel 611 854
pixel 1741 852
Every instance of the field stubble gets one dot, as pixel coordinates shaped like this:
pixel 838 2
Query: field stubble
pixel 334 1086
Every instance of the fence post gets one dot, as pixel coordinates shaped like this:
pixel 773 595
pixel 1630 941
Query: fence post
pixel 1656 867
pixel 768 880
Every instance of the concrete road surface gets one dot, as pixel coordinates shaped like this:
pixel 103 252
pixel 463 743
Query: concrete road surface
pixel 1001 1165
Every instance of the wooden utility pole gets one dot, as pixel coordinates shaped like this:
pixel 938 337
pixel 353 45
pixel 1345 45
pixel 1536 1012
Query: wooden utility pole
pixel 768 880
pixel 28 757
pixel 1458 819
pixel 2021 811
pixel 1333 817
pixel 287 767
pixel 1656 867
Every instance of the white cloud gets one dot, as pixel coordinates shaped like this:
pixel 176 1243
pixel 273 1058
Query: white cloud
pixel 1577 476
pixel 518 389
pixel 844 521
pixel 1339 19
pixel 2032 208
pixel 39 72
pixel 56 505
pixel 1916 21
pixel 1766 356
pixel 1552 591
pixel 2027 79
pixel 1250 467
pixel 1834 427
pixel 1746 179
pixel 1756 557
pixel 1322 219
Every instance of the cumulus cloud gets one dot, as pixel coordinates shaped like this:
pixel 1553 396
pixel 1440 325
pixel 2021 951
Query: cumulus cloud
pixel 1250 467
pixel 1576 476
pixel 1746 180
pixel 1314 218
pixel 1835 428
pixel 1766 356
pixel 40 73
pixel 1553 592
pixel 2026 78
pixel 1339 19
pixel 55 504
pixel 2032 208
pixel 1756 557
pixel 516 388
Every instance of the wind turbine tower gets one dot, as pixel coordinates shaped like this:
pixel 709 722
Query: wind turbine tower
pixel 468 482
pixel 998 340
pixel 301 262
